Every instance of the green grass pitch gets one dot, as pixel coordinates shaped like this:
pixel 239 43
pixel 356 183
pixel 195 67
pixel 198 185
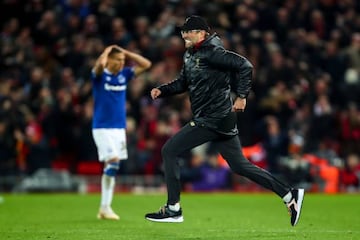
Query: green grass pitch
pixel 207 216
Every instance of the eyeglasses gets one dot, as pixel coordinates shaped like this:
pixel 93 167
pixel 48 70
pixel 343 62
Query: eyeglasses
pixel 190 31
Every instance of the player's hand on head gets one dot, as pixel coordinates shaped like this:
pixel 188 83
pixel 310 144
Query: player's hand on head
pixel 121 49
pixel 108 48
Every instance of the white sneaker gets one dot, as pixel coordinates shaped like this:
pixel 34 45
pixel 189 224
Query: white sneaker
pixel 107 214
pixel 165 214
pixel 294 206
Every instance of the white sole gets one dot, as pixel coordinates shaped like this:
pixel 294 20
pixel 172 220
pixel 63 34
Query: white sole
pixel 299 204
pixel 168 220
pixel 107 217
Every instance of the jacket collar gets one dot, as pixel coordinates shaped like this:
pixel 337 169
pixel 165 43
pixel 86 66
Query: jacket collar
pixel 211 40
pixel 198 44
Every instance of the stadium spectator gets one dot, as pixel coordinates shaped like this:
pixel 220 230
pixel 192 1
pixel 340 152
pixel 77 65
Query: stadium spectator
pixel 350 129
pixel 7 154
pixel 350 174
pixel 297 171
pixel 275 143
pixel 206 174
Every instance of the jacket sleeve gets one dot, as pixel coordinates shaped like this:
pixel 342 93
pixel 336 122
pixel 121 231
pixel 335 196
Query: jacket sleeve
pixel 177 86
pixel 241 69
pixel 241 80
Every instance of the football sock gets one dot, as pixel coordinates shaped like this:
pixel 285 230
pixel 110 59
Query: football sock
pixel 175 207
pixel 287 197
pixel 107 190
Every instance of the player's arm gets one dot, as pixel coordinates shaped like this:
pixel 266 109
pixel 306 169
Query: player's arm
pixel 240 67
pixel 241 73
pixel 142 63
pixel 177 86
pixel 228 60
pixel 100 63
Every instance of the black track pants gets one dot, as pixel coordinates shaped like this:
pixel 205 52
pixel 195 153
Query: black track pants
pixel 230 148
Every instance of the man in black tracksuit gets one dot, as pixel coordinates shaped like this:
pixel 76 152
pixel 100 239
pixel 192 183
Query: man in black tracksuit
pixel 209 74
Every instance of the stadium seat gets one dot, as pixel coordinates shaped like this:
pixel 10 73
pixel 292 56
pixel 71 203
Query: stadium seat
pixel 89 168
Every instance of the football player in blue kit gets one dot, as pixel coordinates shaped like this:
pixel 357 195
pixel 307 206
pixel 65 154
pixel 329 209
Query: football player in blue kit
pixel 110 77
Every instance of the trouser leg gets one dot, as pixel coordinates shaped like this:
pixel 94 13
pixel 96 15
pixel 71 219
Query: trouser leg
pixel 187 138
pixel 231 151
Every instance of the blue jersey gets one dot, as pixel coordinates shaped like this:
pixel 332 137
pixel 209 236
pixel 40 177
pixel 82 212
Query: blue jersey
pixel 109 93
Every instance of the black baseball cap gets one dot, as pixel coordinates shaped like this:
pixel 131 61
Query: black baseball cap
pixel 195 23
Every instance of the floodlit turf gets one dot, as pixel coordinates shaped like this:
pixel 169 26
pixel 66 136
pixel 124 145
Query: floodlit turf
pixel 207 216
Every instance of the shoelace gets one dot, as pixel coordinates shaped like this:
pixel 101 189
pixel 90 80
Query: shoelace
pixel 162 210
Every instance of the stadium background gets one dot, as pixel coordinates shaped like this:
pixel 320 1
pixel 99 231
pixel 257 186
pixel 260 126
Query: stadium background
pixel 302 121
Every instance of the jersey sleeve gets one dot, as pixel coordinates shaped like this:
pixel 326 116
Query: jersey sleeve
pixel 93 76
pixel 129 73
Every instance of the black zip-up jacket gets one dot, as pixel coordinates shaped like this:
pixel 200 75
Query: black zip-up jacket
pixel 209 73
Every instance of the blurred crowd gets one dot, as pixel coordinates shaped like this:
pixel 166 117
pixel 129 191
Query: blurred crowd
pixel 302 120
